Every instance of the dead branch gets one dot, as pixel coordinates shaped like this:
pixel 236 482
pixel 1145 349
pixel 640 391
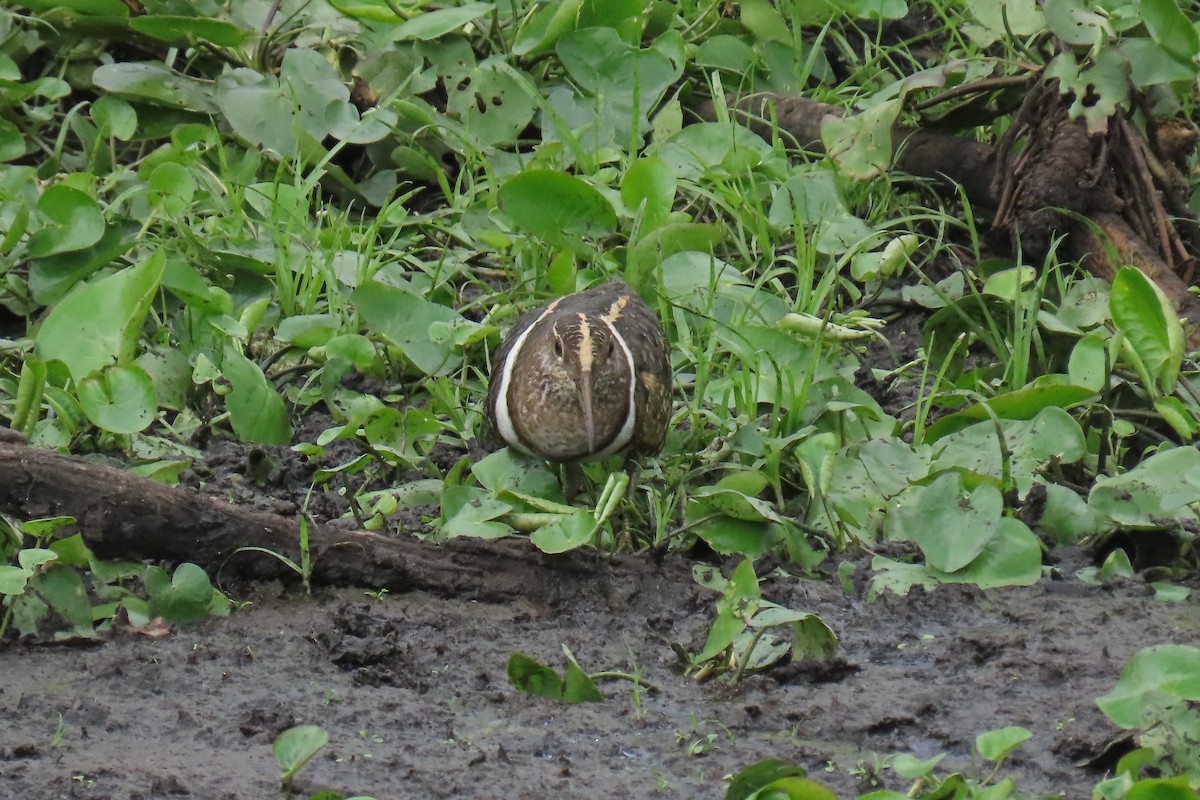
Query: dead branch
pixel 122 515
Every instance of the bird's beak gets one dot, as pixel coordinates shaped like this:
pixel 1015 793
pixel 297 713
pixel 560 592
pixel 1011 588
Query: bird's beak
pixel 589 421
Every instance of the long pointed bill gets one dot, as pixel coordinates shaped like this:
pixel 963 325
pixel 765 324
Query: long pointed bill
pixel 589 421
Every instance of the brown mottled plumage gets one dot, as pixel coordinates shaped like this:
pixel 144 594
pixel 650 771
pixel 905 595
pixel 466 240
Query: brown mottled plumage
pixel 583 377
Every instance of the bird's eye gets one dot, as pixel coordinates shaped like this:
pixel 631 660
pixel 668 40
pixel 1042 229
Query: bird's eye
pixel 558 350
pixel 612 346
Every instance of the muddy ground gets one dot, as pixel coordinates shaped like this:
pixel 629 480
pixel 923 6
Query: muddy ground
pixel 413 691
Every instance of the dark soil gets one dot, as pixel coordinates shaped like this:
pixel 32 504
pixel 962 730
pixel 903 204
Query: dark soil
pixel 413 692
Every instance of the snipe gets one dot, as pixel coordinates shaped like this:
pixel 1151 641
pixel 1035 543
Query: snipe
pixel 583 377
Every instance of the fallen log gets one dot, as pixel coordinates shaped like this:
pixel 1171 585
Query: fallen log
pixel 974 166
pixel 122 515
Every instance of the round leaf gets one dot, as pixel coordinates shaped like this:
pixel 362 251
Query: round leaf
pixel 294 747
pixel 73 222
pixel 118 399
pixel 1162 671
pixel 556 206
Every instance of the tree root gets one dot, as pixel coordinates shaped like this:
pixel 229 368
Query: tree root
pixel 1063 181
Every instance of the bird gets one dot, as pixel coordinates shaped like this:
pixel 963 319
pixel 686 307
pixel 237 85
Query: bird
pixel 582 378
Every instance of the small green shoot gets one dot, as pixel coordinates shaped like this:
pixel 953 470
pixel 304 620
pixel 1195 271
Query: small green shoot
pixel 776 780
pixel 294 748
pixel 531 677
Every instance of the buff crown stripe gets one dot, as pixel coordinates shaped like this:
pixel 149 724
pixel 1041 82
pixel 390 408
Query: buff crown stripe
pixel 614 311
pixel 586 356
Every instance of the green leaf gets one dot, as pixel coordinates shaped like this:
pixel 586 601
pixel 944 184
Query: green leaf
pixel 861 144
pixel 114 117
pixel 811 636
pixel 795 789
pixel 33 557
pixel 1008 284
pixel 185 597
pixel 155 83
pixel 404 320
pixel 728 536
pixel 1116 565
pixel 394 433
pixel 51 278
pixel 72 551
pixel 1170 593
pixel 1159 674
pixel 63 590
pixel 13 579
pixel 911 767
pixel 1178 788
pixel 189 30
pixel 756 776
pixel 1152 329
pixel 951 525
pixel 1170 28
pixel 811 201
pixel 997 21
pixel 1067 517
pixel 256 410
pixel 322 97
pixel 99 324
pixel 296 746
pixel 1012 557
pixel 307 330
pixel 492 103
pixel 1150 64
pixel 727 52
pixel 532 677
pixel 1021 404
pixel 258 109
pixel 1180 417
pixel 512 470
pixel 470 511
pixel 119 399
pixel 541 30
pixel 12 143
pixel 648 190
pixel 1088 368
pixel 557 207
pixel 737 605
pixel 735 504
pixel 996 745
pixel 1051 436
pixel 712 148
pixel 651 249
pixel 566 534
pixel 171 187
pixel 625 82
pixel 73 222
pixel 374 10
pixel 1075 22
pixel 435 24
pixel 1156 492
pixel 578 686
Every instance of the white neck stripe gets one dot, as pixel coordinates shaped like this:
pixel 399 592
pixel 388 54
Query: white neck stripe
pixel 626 433
pixel 504 423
